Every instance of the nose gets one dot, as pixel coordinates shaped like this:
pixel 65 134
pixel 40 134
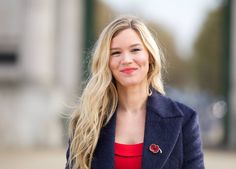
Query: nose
pixel 127 59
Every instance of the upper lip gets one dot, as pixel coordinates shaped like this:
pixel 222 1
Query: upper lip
pixel 128 69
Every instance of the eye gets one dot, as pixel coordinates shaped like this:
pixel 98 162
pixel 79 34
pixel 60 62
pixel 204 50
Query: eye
pixel 135 50
pixel 115 53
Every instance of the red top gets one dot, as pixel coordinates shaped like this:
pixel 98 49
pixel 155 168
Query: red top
pixel 128 156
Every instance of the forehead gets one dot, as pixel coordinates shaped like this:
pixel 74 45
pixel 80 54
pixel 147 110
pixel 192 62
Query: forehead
pixel 126 37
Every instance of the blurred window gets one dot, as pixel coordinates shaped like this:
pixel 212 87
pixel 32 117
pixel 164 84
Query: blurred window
pixel 8 58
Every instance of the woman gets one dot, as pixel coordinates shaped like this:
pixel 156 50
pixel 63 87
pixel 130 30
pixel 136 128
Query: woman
pixel 123 120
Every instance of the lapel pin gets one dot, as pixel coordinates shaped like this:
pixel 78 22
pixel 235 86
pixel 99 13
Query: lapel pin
pixel 155 148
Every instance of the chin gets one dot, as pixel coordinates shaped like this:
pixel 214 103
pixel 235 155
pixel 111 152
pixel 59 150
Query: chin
pixel 130 84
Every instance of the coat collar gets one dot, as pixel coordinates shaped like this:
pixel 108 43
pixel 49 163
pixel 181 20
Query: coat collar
pixel 162 127
pixel 163 106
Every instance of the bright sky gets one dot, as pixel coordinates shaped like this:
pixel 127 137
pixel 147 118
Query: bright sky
pixel 183 18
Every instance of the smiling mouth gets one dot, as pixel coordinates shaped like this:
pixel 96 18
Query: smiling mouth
pixel 128 70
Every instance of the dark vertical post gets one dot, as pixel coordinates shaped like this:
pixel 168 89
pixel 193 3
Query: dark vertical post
pixel 226 67
pixel 89 21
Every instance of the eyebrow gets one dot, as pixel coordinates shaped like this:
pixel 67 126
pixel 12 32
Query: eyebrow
pixel 134 45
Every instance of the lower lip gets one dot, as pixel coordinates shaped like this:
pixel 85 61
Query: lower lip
pixel 128 71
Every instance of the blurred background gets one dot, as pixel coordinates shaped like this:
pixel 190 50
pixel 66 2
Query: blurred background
pixel 45 50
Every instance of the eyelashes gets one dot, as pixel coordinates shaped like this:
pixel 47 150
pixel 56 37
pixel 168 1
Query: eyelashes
pixel 135 50
pixel 115 53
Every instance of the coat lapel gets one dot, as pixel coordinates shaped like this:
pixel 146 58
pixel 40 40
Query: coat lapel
pixel 163 125
pixel 104 152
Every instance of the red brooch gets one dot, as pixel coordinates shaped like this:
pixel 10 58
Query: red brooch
pixel 155 148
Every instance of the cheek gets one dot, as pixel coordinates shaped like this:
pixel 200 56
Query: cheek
pixel 112 64
pixel 144 63
pixel 143 60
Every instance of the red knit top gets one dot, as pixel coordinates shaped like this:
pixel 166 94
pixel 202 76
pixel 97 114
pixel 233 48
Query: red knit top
pixel 128 156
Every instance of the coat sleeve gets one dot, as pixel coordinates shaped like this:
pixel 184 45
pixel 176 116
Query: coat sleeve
pixel 192 146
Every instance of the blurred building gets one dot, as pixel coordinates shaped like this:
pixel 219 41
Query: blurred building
pixel 40 49
pixel 40 61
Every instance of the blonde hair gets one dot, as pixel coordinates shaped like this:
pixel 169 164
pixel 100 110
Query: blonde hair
pixel 99 98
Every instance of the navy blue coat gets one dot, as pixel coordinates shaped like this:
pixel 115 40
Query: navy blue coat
pixel 169 124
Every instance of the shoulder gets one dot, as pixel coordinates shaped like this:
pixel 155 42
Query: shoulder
pixel 190 124
pixel 167 107
pixel 191 138
pixel 188 112
pixel 190 116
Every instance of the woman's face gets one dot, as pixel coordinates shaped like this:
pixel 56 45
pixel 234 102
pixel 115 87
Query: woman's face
pixel 129 59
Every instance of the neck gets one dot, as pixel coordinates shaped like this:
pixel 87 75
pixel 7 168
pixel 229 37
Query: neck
pixel 132 99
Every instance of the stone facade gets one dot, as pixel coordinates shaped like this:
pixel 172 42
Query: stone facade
pixel 40 46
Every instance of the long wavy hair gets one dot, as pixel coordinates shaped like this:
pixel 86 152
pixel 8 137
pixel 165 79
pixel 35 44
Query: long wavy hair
pixel 99 99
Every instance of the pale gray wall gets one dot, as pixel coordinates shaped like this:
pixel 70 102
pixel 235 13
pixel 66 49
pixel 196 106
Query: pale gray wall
pixel 36 91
